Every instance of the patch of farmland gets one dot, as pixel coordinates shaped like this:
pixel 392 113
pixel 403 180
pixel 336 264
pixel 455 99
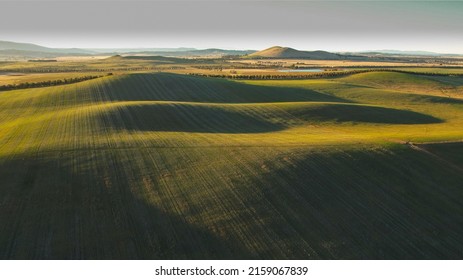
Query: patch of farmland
pixel 164 166
pixel 230 203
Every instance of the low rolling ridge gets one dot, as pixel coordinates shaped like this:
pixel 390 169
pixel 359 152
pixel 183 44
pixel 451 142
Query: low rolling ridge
pixel 165 166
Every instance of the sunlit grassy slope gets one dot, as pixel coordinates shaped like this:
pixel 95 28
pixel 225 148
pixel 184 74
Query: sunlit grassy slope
pixel 170 166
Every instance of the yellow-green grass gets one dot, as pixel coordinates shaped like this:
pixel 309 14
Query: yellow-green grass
pixel 19 78
pixel 161 165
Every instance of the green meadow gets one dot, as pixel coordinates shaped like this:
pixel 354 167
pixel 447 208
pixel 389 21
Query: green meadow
pixel 170 166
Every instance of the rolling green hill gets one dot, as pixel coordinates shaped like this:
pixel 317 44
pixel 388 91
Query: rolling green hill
pixel 166 166
pixel 285 52
pixel 14 49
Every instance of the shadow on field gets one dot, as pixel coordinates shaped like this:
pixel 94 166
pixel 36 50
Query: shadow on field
pixel 298 204
pixel 423 98
pixel 48 211
pixel 238 119
pixel 446 152
pixel 359 113
pixel 186 118
pixel 174 87
pixel 364 204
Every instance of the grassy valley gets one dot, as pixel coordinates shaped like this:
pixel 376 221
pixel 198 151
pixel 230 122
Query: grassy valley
pixel 151 163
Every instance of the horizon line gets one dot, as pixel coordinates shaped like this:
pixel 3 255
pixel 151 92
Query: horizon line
pixel 235 49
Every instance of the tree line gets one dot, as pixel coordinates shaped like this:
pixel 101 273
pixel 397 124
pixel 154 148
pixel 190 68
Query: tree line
pixel 64 69
pixel 48 83
pixel 324 74
pixel 267 76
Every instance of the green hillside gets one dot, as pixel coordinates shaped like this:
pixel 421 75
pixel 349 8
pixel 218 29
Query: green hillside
pixel 166 166
pixel 285 52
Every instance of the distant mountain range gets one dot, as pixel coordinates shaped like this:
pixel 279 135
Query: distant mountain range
pixel 128 50
pixel 14 50
pixel 26 50
pixel 26 47
pixel 405 53
pixel 285 52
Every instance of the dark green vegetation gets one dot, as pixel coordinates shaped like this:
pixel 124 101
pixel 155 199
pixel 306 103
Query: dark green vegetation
pixel 46 83
pixel 166 166
pixel 335 73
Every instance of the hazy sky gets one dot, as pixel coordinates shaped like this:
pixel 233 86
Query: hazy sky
pixel 309 25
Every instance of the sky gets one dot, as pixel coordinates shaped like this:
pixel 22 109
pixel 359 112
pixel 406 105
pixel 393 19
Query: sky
pixel 307 25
